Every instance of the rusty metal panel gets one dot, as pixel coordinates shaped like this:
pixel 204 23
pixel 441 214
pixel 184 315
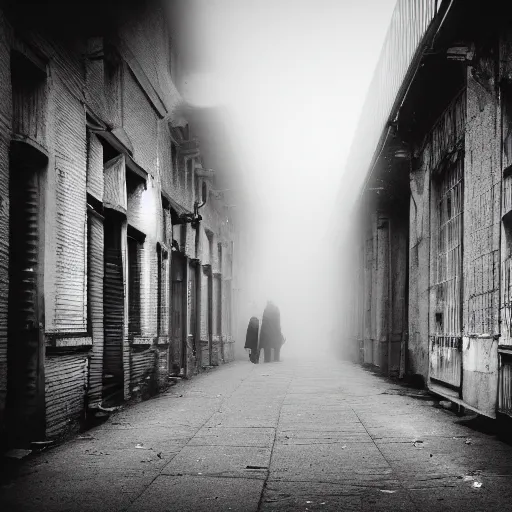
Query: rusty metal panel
pixel 480 374
pixel 66 377
pixel 409 23
pixel 446 359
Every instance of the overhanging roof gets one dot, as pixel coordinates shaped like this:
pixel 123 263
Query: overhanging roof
pixel 411 23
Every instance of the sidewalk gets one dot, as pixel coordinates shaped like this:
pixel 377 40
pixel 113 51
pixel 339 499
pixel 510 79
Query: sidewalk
pixel 290 436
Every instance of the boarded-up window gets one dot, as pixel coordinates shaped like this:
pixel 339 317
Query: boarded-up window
pixel 28 98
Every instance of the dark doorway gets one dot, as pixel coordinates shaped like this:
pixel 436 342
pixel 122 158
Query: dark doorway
pixel 192 304
pixel 178 312
pixel 113 310
pixel 25 356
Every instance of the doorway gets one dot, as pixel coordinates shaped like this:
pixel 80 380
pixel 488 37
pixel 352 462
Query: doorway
pixel 113 311
pixel 25 355
pixel 178 313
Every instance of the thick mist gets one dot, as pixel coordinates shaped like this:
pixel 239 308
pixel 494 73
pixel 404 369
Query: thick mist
pixel 291 77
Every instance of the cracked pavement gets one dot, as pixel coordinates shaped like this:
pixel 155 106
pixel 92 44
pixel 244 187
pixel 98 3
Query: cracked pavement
pixel 297 435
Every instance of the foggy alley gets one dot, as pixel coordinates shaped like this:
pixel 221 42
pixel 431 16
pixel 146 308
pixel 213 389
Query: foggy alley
pixel 296 435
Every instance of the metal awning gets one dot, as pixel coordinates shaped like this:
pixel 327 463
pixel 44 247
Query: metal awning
pixel 179 214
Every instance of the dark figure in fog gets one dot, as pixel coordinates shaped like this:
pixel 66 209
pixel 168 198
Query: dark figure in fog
pixel 251 340
pixel 271 337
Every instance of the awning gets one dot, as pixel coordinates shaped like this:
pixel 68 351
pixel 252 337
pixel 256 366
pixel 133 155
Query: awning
pixel 179 214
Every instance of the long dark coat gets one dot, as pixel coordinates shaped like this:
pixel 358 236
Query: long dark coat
pixel 270 335
pixel 251 339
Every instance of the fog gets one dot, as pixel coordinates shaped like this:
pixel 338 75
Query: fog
pixel 291 77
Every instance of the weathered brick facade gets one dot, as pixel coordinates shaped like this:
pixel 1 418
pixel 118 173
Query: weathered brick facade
pixel 94 120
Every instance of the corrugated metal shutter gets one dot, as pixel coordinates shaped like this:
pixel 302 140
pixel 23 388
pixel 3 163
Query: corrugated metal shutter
pixel 134 287
pixel 24 333
pixel 95 270
pixel 66 376
pixel 113 308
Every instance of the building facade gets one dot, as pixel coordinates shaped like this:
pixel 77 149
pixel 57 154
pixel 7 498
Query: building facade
pixel 117 261
pixel 427 250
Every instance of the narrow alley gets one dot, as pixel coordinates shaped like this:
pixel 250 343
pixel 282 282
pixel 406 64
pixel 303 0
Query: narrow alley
pixel 322 435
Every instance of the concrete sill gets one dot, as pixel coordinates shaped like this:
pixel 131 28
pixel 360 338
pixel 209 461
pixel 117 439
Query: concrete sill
pixel 142 340
pixel 69 341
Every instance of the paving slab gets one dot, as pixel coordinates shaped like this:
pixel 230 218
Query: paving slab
pixel 298 435
pixel 199 494
pixel 220 461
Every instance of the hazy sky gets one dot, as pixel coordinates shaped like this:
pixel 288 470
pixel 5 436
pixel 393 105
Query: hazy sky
pixel 293 75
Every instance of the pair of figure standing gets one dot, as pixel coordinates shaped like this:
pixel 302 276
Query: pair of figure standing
pixel 269 337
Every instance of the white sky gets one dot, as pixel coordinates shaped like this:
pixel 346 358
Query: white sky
pixel 293 75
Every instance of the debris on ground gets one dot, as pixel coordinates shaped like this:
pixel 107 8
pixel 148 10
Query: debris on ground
pixel 418 444
pixel 468 440
pixel 477 485
pixel 446 404
pixel 386 491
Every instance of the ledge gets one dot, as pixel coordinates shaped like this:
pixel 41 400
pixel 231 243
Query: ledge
pixel 142 340
pixel 162 340
pixel 69 340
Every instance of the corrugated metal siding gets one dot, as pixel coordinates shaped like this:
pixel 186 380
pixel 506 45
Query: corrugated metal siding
pixel 5 137
pixel 143 365
pixel 94 166
pixel 140 123
pixel 409 23
pixel 68 309
pixel 4 250
pixel 66 377
pixel 95 271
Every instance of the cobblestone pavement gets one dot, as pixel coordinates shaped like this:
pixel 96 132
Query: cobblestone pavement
pixel 291 436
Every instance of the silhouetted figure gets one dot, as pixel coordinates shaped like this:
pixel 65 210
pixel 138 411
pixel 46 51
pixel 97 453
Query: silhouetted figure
pixel 271 337
pixel 251 340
